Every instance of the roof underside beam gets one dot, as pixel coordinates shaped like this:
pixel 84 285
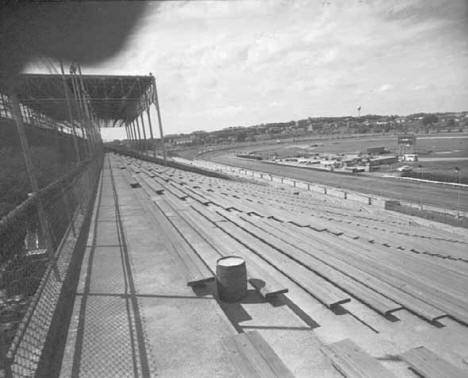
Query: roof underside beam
pixel 112 98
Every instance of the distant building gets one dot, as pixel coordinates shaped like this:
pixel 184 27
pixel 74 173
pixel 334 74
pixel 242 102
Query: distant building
pixel 376 150
pixel 383 160
pixel 180 141
pixel 410 157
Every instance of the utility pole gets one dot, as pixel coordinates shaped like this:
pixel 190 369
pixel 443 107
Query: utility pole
pixel 458 192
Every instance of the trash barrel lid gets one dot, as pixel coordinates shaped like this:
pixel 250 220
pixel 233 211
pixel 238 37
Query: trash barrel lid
pixel 230 261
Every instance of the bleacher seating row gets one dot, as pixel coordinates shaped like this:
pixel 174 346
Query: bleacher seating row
pixel 337 255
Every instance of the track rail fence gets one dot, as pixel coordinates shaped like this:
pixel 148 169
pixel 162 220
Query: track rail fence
pixel 454 217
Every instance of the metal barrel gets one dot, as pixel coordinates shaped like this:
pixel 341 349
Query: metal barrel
pixel 231 278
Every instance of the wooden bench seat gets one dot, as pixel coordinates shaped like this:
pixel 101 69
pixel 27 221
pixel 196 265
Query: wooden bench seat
pixel 407 296
pixel 197 272
pixel 134 182
pixel 429 365
pixel 353 362
pixel 264 283
pixel 304 253
pixel 315 285
pixel 254 357
pixel 155 186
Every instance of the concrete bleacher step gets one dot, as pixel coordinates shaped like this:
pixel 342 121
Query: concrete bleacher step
pixel 224 202
pixel 192 194
pixel 403 275
pixel 287 215
pixel 176 191
pixel 367 275
pixel 254 357
pixel 425 269
pixel 262 281
pixel 197 273
pixel 319 262
pixel 315 285
pixel 392 236
pixel 416 287
pixel 402 241
pixel 416 277
pixel 156 187
pixel 203 249
pixel 220 201
pixel 189 229
pixel 353 362
pixel 399 255
pixel 429 365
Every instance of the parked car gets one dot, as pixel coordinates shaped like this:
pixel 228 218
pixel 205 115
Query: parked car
pixel 404 168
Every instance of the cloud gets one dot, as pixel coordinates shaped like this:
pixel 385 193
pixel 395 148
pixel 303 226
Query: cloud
pixel 384 88
pixel 231 63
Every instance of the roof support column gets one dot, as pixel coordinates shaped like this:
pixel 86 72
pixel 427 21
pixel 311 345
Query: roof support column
pixel 3 109
pixel 33 182
pixel 141 144
pixel 130 133
pixel 96 132
pixel 135 136
pixel 144 132
pixel 91 121
pixel 138 133
pixel 84 123
pixel 153 142
pixel 156 100
pixel 84 134
pixel 70 114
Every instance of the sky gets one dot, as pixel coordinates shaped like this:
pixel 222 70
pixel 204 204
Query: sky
pixel 241 63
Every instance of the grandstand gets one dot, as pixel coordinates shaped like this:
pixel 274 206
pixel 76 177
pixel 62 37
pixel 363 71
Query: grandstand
pixel 129 245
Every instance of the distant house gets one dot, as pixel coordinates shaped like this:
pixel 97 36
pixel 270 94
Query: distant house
pixel 180 141
pixel 410 157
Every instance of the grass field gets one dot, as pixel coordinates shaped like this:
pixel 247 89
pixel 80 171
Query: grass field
pixel 433 146
pixel 441 170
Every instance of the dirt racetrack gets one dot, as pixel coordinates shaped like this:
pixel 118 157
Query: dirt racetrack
pixel 439 195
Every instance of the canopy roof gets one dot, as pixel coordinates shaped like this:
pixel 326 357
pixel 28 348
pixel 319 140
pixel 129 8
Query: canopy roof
pixel 112 98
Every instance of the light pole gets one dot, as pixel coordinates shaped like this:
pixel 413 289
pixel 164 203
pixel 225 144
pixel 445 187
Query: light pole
pixel 458 192
pixel 420 171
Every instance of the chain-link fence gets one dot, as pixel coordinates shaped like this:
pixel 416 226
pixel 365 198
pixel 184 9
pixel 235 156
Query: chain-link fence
pixel 34 262
pixel 50 161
